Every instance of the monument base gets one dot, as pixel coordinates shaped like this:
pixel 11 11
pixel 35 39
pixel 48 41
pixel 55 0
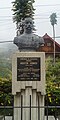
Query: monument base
pixel 28 85
pixel 28 105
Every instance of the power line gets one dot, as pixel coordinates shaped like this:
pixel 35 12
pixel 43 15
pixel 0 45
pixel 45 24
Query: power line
pixel 12 40
pixel 43 17
pixel 5 7
pixel 46 5
pixel 34 6
pixel 34 18
pixel 6 16
pixel 5 19
pixel 40 14
pixel 5 41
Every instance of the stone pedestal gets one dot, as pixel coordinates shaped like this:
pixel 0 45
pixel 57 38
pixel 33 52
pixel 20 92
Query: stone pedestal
pixel 28 92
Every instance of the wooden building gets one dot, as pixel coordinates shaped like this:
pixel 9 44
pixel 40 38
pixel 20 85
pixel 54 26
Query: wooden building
pixel 48 47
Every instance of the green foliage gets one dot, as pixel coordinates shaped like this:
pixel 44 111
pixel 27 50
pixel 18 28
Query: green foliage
pixel 5 68
pixel 53 83
pixel 53 19
pixel 6 97
pixel 22 9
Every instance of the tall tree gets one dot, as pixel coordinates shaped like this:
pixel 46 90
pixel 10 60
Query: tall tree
pixel 22 9
pixel 53 21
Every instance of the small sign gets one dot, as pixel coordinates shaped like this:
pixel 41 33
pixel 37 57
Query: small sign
pixel 28 69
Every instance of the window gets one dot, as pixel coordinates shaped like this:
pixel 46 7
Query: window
pixel 48 44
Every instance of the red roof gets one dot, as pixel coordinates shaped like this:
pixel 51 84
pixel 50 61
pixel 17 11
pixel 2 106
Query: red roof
pixel 46 36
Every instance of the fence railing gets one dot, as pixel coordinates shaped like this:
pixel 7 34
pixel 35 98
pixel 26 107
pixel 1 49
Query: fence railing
pixel 48 110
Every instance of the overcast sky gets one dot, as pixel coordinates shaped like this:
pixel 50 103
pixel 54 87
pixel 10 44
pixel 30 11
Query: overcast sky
pixel 44 8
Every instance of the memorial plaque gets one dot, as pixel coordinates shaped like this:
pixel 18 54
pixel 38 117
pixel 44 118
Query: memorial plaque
pixel 28 69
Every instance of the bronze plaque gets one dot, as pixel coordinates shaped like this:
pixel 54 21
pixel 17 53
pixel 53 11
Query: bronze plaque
pixel 28 69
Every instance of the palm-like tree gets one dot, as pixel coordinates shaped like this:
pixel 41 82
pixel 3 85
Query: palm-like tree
pixel 22 9
pixel 53 21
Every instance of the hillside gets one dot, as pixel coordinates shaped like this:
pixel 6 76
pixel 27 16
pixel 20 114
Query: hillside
pixel 7 50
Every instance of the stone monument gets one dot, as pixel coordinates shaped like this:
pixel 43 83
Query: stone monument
pixel 28 41
pixel 28 75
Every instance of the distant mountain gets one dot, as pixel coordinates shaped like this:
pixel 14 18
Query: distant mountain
pixel 7 50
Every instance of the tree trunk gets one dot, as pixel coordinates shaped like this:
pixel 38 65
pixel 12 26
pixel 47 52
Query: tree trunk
pixel 54 43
